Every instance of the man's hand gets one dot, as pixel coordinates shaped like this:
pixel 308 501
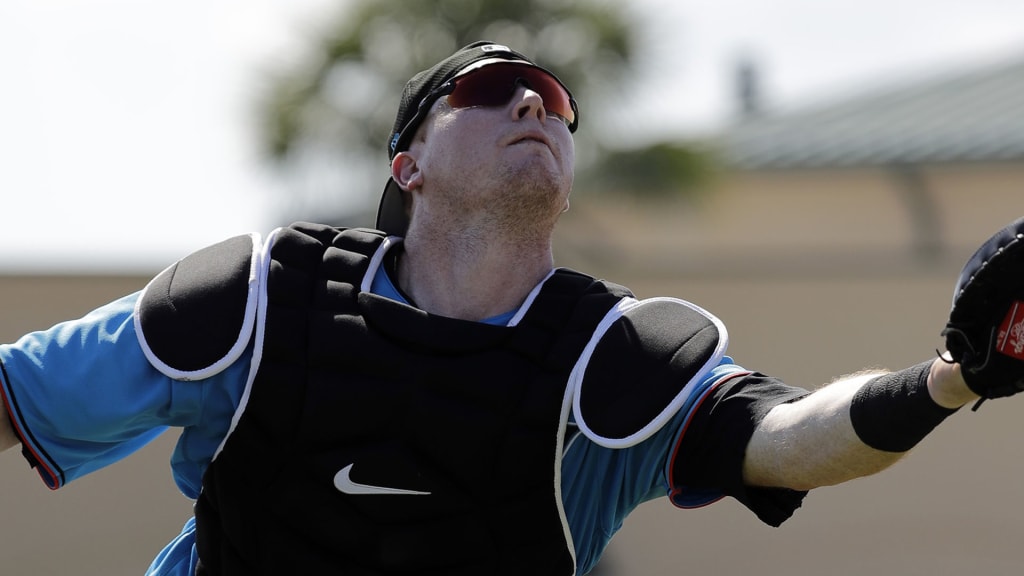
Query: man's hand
pixel 946 386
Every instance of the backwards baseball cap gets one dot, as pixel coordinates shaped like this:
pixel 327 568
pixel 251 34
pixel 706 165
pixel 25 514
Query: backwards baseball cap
pixel 419 96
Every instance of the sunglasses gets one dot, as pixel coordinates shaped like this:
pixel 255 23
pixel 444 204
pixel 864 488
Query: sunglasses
pixel 495 84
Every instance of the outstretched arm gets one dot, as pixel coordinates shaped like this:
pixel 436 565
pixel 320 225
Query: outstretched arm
pixel 864 423
pixel 814 442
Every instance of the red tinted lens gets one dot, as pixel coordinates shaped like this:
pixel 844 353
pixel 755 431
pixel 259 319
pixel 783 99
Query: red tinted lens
pixel 494 85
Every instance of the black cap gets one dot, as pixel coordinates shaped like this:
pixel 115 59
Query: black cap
pixel 417 99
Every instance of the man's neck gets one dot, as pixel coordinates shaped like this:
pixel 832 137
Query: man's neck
pixel 470 278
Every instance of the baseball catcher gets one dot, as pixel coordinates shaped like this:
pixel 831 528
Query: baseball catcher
pixel 433 396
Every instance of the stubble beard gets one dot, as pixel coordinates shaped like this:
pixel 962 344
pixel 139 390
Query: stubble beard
pixel 530 201
pixel 517 206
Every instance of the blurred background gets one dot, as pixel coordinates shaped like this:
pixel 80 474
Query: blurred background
pixel 813 173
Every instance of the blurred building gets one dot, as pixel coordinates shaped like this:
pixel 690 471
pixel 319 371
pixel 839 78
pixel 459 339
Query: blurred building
pixel 898 176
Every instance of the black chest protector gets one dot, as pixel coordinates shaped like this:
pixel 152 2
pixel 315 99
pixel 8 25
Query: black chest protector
pixel 376 439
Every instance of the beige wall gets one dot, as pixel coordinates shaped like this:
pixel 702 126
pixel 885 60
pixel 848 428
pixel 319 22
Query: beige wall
pixel 813 274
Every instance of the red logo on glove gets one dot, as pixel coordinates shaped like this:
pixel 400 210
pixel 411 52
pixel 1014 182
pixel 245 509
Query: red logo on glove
pixel 1011 333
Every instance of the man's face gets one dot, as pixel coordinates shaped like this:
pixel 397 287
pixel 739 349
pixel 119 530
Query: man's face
pixel 515 157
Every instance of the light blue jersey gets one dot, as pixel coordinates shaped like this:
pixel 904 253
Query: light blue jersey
pixel 82 396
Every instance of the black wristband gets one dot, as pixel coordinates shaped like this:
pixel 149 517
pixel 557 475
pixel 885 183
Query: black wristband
pixel 894 412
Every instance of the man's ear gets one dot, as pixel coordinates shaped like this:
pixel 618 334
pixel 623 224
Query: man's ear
pixel 406 172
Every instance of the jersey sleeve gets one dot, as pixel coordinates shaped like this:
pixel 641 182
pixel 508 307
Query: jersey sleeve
pixel 708 454
pixel 82 395
pixel 696 459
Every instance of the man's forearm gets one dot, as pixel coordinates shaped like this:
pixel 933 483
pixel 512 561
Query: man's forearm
pixel 812 443
pixel 815 442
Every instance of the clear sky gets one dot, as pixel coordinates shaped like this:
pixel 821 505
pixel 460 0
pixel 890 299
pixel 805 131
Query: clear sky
pixel 126 138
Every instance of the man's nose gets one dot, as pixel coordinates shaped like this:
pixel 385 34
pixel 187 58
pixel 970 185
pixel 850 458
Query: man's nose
pixel 527 103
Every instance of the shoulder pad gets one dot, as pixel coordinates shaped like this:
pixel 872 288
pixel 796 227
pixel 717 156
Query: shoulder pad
pixel 196 317
pixel 643 362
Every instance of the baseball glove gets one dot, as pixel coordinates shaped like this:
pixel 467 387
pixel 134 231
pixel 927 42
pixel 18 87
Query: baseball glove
pixel 985 332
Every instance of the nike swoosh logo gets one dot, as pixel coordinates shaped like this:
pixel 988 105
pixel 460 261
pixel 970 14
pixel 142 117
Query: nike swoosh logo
pixel 343 482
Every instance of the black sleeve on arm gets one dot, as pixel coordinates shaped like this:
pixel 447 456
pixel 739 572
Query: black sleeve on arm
pixel 711 451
